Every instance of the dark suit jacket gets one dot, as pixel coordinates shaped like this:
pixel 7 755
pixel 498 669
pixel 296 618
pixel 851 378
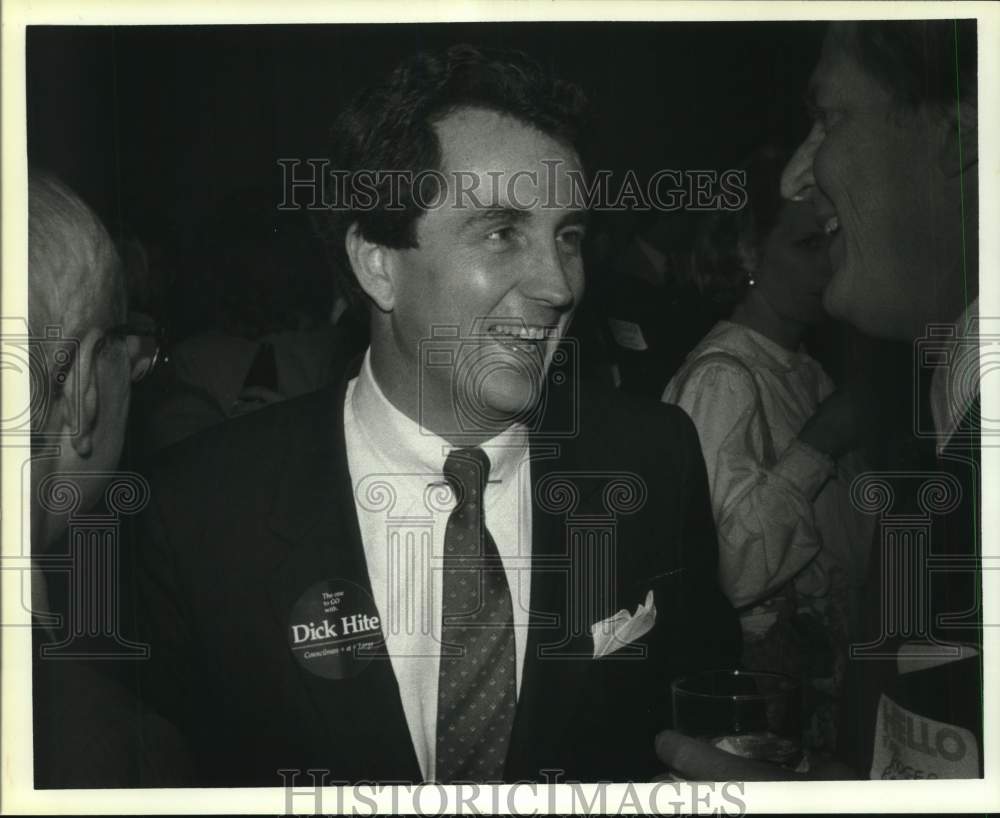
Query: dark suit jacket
pixel 244 519
pixel 89 728
pixel 944 595
pixel 91 731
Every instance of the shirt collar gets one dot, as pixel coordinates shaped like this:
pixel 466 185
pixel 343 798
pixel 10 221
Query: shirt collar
pixel 955 382
pixel 767 353
pixel 416 450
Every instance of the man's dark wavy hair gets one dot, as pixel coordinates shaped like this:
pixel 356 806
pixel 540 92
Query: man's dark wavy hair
pixel 921 62
pixel 390 126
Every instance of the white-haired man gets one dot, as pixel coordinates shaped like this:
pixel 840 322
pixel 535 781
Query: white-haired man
pixel 87 723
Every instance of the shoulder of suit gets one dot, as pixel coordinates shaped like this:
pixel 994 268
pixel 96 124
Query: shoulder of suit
pixel 599 403
pixel 634 425
pixel 254 441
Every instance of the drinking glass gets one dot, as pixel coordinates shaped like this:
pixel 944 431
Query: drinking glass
pixel 751 714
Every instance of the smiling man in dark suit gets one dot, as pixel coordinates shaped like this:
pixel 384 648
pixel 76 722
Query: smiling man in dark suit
pixel 458 564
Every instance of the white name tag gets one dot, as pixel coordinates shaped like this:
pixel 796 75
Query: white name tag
pixel 908 745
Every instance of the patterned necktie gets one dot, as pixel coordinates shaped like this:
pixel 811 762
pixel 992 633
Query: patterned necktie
pixel 476 684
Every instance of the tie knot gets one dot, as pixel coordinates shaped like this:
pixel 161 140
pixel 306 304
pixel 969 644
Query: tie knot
pixel 467 471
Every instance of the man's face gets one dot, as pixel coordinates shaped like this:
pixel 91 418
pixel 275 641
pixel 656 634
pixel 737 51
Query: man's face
pixel 873 174
pixel 500 263
pixel 100 406
pixel 114 389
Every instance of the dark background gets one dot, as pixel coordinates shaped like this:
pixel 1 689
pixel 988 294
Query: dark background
pixel 173 134
pixel 161 128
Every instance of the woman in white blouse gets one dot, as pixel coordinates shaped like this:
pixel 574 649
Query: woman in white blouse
pixel 776 436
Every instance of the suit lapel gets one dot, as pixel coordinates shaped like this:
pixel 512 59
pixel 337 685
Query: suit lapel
pixel 314 513
pixel 557 643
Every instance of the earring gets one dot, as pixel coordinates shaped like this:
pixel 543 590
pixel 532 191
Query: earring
pixel 751 278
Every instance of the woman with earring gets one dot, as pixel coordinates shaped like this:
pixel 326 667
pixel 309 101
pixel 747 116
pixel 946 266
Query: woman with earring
pixel 776 437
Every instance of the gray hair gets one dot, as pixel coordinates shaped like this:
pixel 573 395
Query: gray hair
pixel 932 62
pixel 74 274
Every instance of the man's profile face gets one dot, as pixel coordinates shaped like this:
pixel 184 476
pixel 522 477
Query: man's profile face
pixel 872 171
pixel 100 406
pixel 115 393
pixel 500 262
pixel 112 398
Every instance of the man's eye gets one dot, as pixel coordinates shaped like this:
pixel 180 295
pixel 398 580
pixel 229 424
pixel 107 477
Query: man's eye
pixel 572 240
pixel 500 235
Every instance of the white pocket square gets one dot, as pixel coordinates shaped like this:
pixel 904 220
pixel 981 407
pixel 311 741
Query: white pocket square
pixel 622 629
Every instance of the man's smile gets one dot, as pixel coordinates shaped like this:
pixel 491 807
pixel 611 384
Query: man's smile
pixel 527 339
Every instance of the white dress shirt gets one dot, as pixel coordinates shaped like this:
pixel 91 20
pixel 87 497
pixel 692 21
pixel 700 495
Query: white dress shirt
pixel 403 506
pixel 955 384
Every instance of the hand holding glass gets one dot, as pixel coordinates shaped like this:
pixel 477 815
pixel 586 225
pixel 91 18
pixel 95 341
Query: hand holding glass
pixel 750 714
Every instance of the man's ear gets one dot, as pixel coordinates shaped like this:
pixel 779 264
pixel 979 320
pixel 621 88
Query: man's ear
pixel 371 265
pixel 959 139
pixel 77 404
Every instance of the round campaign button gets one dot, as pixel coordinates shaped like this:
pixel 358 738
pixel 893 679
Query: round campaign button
pixel 334 629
